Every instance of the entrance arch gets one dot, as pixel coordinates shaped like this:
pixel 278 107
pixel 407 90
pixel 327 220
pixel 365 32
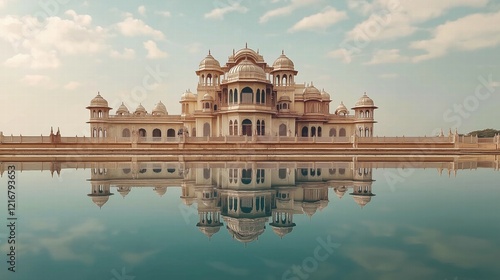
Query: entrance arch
pixel 246 127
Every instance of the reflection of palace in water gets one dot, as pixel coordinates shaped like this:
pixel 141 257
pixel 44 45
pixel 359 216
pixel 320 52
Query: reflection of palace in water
pixel 243 196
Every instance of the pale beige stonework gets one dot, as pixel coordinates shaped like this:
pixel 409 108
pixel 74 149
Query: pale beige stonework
pixel 245 96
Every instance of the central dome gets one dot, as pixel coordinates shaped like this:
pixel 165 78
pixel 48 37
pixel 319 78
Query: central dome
pixel 246 70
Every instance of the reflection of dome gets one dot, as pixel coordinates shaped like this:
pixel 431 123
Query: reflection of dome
pixel 362 199
pixel 282 231
pixel 140 110
pixel 188 95
pixel 246 70
pixel 98 101
pixel 124 191
pixel 100 200
pixel 188 201
pixel 310 208
pixel 209 63
pixel 365 101
pixel 122 110
pixel 209 231
pixel 323 204
pixel 340 191
pixel 324 95
pixel 160 109
pixel 311 92
pixel 283 63
pixel 342 109
pixel 245 230
pixel 160 190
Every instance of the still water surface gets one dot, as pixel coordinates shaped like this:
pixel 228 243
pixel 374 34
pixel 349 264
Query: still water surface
pixel 253 220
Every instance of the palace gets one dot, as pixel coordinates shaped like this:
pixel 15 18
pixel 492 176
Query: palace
pixel 244 97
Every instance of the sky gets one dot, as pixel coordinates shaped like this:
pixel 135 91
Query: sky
pixel 428 65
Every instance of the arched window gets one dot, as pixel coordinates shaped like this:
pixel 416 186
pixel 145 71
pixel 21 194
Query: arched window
pixel 333 132
pixel 367 114
pixel 157 170
pixel 156 132
pixel 342 132
pixel 171 132
pixel 142 132
pixel 277 80
pixel 341 171
pixel 282 130
pixel 319 131
pixel 258 127
pixel 246 127
pixel 230 96
pixel 367 132
pixel 284 80
pixel 206 173
pixel 362 114
pixel 209 80
pixel 247 96
pixel 203 79
pixel 246 176
pixel 215 107
pixel 258 96
pixel 230 127
pixel 235 96
pixel 332 171
pixel 263 127
pixel 282 173
pixel 99 114
pixel 313 131
pixel 290 80
pixel 235 127
pixel 305 131
pixel 263 98
pixel 126 132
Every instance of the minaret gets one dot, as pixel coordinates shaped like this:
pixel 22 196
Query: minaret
pixel 99 114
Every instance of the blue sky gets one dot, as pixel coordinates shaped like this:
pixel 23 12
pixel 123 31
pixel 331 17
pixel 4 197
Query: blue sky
pixel 427 64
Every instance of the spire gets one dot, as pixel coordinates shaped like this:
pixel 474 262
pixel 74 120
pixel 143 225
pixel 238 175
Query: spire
pixel 246 45
pixel 209 52
pixel 282 52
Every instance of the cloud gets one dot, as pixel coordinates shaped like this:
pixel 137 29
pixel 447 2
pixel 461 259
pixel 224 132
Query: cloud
pixel 132 27
pixel 389 75
pixel 343 54
pixel 72 85
pixel 153 51
pixel 286 10
pixel 141 10
pixel 194 47
pixel 472 32
pixel 164 13
pixel 39 44
pixel 388 56
pixel 319 21
pixel 36 80
pixel 136 257
pixel 218 13
pixel 126 54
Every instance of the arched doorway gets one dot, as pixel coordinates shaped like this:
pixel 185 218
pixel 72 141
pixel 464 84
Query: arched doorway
pixel 282 129
pixel 305 132
pixel 206 129
pixel 246 127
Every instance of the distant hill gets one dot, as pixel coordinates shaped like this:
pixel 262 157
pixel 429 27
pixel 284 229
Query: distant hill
pixel 485 133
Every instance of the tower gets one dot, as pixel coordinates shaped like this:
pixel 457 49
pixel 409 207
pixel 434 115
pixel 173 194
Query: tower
pixel 99 114
pixel 364 111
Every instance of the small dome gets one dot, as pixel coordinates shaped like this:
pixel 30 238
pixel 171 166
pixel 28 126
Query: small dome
pixel 98 101
pixel 209 231
pixel 207 97
pixel 341 109
pixel 122 110
pixel 140 110
pixel 311 92
pixel 100 200
pixel 188 95
pixel 124 191
pixel 160 109
pixel 188 201
pixel 284 98
pixel 324 95
pixel 209 63
pixel 283 63
pixel 309 208
pixel 246 70
pixel 365 101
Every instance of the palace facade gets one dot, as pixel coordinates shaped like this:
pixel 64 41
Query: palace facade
pixel 245 96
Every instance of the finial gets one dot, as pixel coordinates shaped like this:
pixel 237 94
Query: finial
pixel 233 51
pixel 283 52
pixel 209 53
pixel 246 45
pixel 258 51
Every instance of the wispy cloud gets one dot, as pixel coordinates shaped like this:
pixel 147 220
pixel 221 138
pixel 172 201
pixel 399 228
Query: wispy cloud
pixel 142 10
pixel 286 10
pixel 218 13
pixel 126 54
pixel 388 56
pixel 319 21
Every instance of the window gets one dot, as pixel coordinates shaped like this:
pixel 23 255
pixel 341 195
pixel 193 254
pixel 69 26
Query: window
pixel 333 132
pixel 342 132
pixel 247 96
pixel 246 176
pixel 282 129
pixel 156 132
pixel 230 127
pixel 282 173
pixel 171 132
pixel 206 129
pixel 206 173
pixel 142 132
pixel 126 132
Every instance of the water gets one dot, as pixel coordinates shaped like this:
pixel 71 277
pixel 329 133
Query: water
pixel 288 220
